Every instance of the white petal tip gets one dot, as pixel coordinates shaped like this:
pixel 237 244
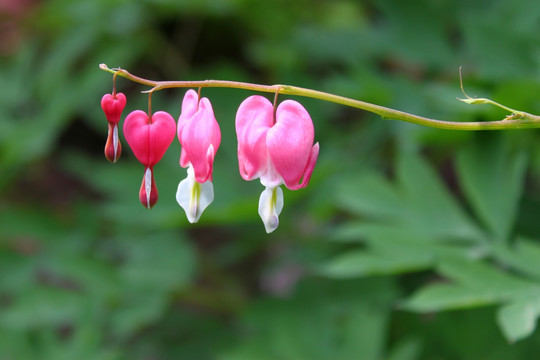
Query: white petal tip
pixel 148 186
pixel 270 206
pixel 194 197
pixel 271 224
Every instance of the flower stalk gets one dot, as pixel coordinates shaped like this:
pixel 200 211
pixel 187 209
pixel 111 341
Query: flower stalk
pixel 516 120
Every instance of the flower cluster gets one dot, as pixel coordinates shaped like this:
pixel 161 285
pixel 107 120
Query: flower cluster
pixel 275 145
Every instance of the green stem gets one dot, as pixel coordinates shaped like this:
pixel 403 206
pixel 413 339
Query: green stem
pixel 518 120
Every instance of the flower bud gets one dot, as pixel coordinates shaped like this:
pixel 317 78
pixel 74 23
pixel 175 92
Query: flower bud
pixel 113 105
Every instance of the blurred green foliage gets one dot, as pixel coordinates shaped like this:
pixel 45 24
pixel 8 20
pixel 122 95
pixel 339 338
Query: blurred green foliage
pixel 410 243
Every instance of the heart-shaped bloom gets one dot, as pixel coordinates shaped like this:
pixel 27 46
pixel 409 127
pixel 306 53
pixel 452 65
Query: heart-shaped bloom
pixel 200 137
pixel 113 105
pixel 149 138
pixel 276 147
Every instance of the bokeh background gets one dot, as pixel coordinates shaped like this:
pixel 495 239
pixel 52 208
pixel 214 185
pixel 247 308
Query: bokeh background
pixel 409 243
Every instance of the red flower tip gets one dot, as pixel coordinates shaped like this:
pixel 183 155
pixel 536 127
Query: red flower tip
pixel 148 194
pixel 113 147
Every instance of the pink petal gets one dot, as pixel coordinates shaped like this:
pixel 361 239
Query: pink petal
pixel 200 139
pixel 190 105
pixel 162 131
pixel 149 140
pixel 308 171
pixel 290 144
pixel 253 120
pixel 136 134
pixel 113 106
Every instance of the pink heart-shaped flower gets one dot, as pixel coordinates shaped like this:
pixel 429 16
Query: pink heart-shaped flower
pixel 277 148
pixel 149 137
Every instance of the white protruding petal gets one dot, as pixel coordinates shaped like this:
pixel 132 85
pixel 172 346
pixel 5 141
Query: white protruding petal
pixel 194 197
pixel 270 178
pixel 148 186
pixel 270 206
pixel 115 141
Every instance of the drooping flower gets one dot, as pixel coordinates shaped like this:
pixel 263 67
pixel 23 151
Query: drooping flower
pixel 113 105
pixel 276 147
pixel 200 137
pixel 149 137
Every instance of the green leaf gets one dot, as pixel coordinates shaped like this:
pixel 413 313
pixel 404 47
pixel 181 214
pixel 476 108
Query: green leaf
pixel 418 202
pixel 447 297
pixel 324 320
pixel 138 310
pixel 475 284
pixel 408 349
pixel 431 208
pixel 388 251
pixel 370 194
pixel 522 255
pixel 42 306
pixel 492 178
pixel 157 261
pixel 478 275
pixel 518 319
pixel 92 276
pixel 363 263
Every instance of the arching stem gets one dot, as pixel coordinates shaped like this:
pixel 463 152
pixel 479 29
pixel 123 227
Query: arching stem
pixel 517 120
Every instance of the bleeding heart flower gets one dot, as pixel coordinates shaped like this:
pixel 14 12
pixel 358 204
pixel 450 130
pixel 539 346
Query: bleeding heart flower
pixel 199 135
pixel 113 105
pixel 276 147
pixel 149 137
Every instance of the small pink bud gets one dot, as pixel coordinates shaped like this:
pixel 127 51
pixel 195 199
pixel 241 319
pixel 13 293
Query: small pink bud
pixel 113 105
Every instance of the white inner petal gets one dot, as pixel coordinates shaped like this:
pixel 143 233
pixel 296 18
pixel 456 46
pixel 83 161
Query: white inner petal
pixel 115 141
pixel 270 178
pixel 148 185
pixel 270 206
pixel 194 197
